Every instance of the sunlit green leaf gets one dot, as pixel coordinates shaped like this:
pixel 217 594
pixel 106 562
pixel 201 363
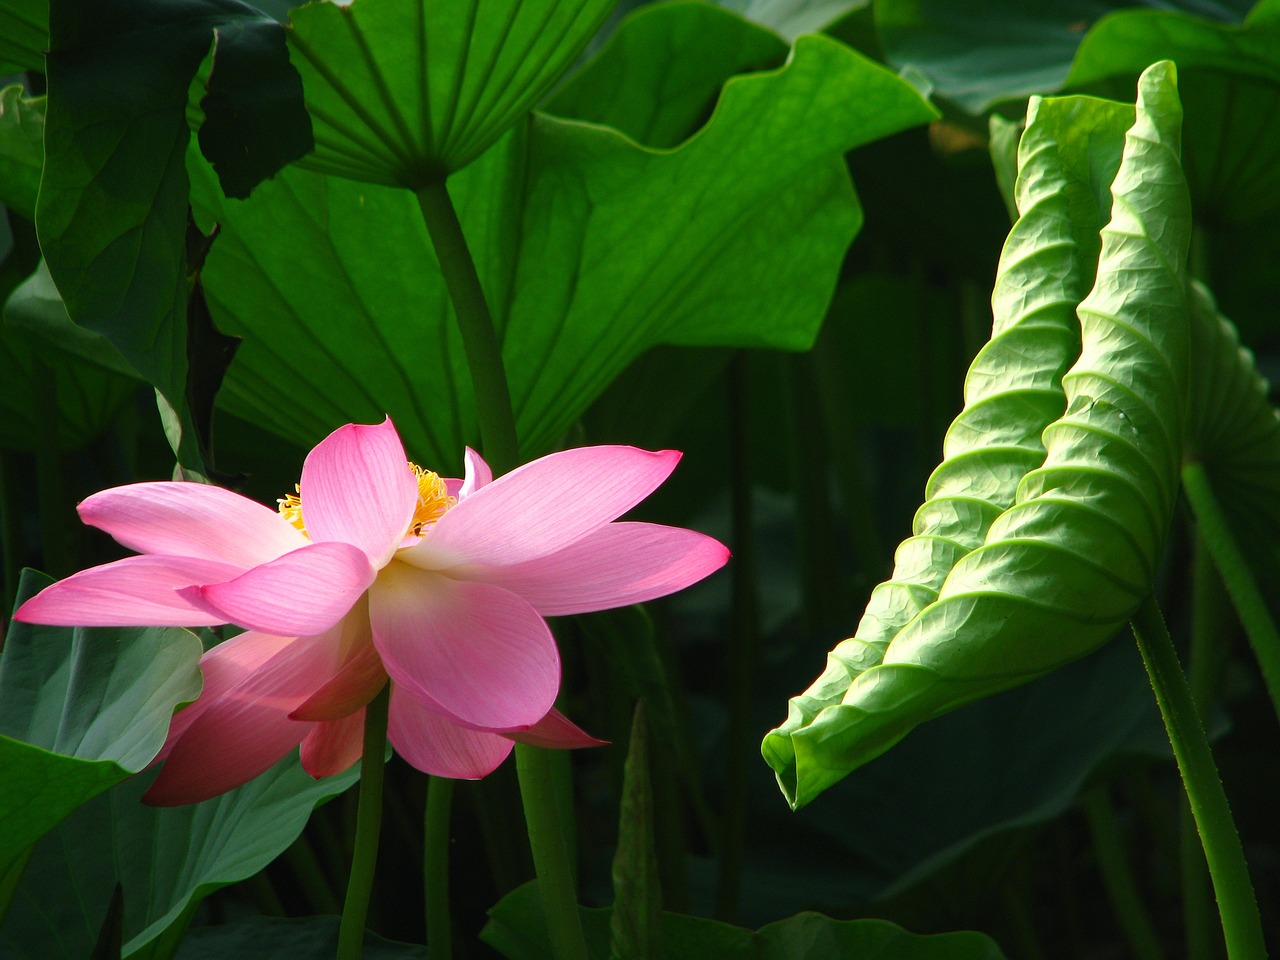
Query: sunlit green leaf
pixel 999 587
pixel 80 710
pixel 660 75
pixel 402 92
pixel 166 859
pixel 591 249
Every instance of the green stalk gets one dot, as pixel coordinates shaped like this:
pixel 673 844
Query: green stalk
pixel 1210 646
pixel 1236 576
pixel 368 826
pixel 1237 906
pixel 550 852
pixel 1113 864
pixel 744 651
pixel 475 323
pixel 435 867
pixel 10 528
pixel 534 765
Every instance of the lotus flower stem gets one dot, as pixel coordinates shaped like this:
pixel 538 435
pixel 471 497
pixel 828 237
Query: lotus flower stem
pixel 368 826
pixel 1210 611
pixel 1237 905
pixel 1236 576
pixel 435 866
pixel 1117 877
pixel 550 852
pixel 479 336
pixel 498 431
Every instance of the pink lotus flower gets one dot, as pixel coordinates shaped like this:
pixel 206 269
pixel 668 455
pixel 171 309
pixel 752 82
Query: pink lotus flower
pixel 378 569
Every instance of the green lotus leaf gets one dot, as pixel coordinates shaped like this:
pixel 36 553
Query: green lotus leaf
pixel 658 78
pixel 791 18
pixel 166 859
pixel 81 709
pixel 1025 560
pixel 24 33
pixel 517 930
pixel 591 249
pixel 1229 83
pixel 21 149
pixel 403 92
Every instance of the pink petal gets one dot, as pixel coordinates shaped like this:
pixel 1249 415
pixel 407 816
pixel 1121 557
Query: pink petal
pixel 557 732
pixel 133 592
pixel 436 746
pixel 247 729
pixel 619 564
pixel 300 594
pixel 477 474
pixel 356 683
pixel 478 653
pixel 357 488
pixel 191 520
pixel 334 745
pixel 224 667
pixel 542 507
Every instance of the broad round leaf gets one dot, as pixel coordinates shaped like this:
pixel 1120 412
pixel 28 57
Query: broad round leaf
pixel 402 92
pixel 591 249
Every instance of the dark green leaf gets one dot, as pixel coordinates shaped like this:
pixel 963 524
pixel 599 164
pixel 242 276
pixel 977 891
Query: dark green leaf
pixel 24 32
pixel 790 18
pixel 1229 82
pixel 21 149
pixel 635 928
pixel 64 383
pixel 517 931
pixel 166 859
pixel 112 210
pixel 271 938
pixel 80 710
pixel 981 53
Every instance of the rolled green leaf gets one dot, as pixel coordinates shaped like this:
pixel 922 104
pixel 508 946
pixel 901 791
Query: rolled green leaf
pixel 1026 557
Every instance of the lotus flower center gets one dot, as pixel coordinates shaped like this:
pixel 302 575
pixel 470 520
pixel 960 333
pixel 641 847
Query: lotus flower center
pixel 433 501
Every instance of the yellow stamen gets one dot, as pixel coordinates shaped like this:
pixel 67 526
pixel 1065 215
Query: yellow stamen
pixel 291 508
pixel 433 501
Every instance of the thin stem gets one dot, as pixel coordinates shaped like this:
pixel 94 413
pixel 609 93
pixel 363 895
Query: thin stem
pixel 435 867
pixel 475 323
pixel 550 852
pixel 10 528
pixel 368 826
pixel 1210 646
pixel 1237 906
pixel 744 651
pixel 1117 877
pixel 1236 576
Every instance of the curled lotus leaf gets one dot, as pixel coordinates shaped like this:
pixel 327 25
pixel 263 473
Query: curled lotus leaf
pixel 1042 528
